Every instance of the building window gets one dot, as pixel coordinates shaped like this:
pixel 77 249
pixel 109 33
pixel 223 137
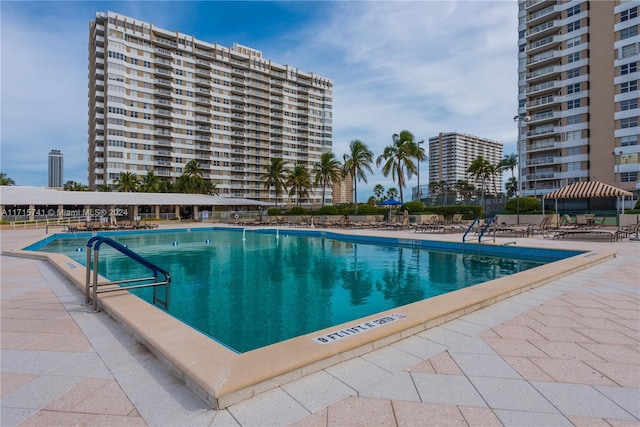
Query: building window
pixel 574 10
pixel 574 72
pixel 629 86
pixel 575 41
pixel 629 177
pixel 625 15
pixel 572 26
pixel 630 122
pixel 573 57
pixel 573 135
pixel 574 103
pixel 629 104
pixel 629 68
pixel 573 151
pixel 574 88
pixel 573 166
pixel 572 120
pixel 626 141
pixel 629 50
pixel 626 33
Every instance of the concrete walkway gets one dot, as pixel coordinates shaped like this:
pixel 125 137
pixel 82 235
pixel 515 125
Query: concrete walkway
pixel 566 353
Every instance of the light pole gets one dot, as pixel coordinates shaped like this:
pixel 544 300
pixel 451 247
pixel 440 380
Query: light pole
pixel 519 119
pixel 419 190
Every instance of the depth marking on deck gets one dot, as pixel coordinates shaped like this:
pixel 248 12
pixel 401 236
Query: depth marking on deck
pixel 362 327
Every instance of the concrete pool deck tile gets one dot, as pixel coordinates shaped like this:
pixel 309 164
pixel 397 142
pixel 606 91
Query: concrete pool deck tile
pixel 272 408
pixel 582 400
pixel 472 345
pixel 447 389
pixel 514 347
pixel 511 394
pixel 614 352
pixel 441 363
pixel 623 374
pixel 465 327
pixel 625 397
pixel 358 373
pixel 521 418
pixel 572 371
pixel 38 393
pixel 391 359
pixel 399 386
pixel 527 369
pixel 484 365
pixel 419 346
pixel 422 414
pixel 479 417
pixel 12 381
pixel 359 412
pixel 318 390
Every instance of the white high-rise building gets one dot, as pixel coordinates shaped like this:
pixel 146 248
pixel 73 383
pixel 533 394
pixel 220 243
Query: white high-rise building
pixel 451 154
pixel 578 90
pixel 159 99
pixel 56 169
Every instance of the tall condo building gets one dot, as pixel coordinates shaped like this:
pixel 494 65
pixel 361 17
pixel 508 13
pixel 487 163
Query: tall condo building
pixel 56 167
pixel 578 94
pixel 159 99
pixel 451 154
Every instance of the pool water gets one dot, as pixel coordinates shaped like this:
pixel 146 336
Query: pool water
pixel 266 288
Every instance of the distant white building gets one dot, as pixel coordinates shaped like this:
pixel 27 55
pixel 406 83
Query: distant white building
pixel 56 166
pixel 159 99
pixel 451 154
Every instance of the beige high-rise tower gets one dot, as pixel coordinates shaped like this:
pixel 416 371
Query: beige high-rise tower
pixel 578 95
pixel 159 99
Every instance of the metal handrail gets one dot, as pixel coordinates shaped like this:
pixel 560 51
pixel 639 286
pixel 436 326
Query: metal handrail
pixel 91 291
pixel 485 228
pixel 464 236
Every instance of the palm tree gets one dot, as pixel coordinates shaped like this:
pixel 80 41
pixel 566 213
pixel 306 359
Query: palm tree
pixel 511 186
pixel 165 186
pixel 493 171
pixel 464 188
pixel 356 163
pixel 399 157
pixel 327 172
pixel 299 182
pixel 275 176
pixel 126 182
pixel 392 193
pixel 5 180
pixel 378 191
pixel 150 183
pixel 192 168
pixel 480 170
pixel 510 161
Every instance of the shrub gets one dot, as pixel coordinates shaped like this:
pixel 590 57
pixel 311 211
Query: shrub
pixel 527 205
pixel 329 210
pixel 273 211
pixel 296 210
pixel 367 210
pixel 413 207
pixel 637 206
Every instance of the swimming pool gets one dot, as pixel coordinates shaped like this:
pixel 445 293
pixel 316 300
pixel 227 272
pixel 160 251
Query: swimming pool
pixel 251 289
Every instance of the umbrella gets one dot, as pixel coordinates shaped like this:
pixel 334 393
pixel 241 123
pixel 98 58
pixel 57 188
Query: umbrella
pixel 390 203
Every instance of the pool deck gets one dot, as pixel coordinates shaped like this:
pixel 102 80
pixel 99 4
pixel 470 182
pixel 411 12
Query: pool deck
pixel 564 353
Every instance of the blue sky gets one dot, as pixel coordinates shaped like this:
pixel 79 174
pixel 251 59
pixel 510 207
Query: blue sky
pixel 424 66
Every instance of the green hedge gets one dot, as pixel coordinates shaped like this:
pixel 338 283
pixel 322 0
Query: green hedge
pixel 526 205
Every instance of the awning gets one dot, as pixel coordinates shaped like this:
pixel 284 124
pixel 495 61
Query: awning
pixel 587 189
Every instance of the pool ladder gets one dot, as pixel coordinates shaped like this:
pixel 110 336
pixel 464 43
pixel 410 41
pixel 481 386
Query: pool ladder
pixel 92 289
pixel 481 233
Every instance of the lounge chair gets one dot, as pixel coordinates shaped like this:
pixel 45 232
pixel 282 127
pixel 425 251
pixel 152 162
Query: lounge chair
pixel 631 231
